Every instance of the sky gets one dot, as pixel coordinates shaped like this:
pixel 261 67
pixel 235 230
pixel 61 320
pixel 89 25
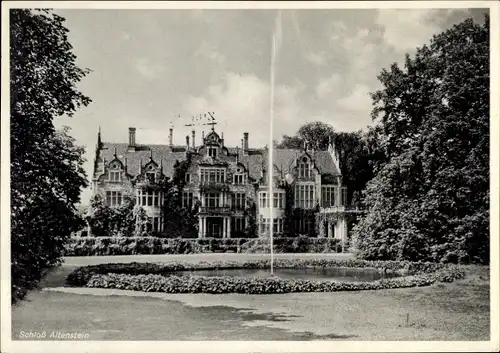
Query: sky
pixel 155 69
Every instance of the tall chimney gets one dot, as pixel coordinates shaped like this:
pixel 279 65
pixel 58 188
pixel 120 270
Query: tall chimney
pixel 202 138
pixel 194 141
pixel 99 138
pixel 245 142
pixel 222 139
pixel 171 137
pixel 131 138
pixel 187 143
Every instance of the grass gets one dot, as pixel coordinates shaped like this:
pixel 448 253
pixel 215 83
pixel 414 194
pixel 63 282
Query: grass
pixel 455 311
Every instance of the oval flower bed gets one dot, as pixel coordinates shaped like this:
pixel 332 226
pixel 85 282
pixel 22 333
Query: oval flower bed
pixel 160 277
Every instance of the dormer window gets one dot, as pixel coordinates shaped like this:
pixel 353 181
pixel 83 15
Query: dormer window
pixel 151 177
pixel 114 176
pixel 304 168
pixel 239 179
pixel 212 152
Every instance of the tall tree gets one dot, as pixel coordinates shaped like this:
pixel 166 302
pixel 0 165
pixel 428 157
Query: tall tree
pixel 430 199
pixel 46 166
pixel 354 161
pixel 316 134
pixel 356 158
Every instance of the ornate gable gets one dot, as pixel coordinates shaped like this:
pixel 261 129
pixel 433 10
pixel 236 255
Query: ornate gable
pixel 212 139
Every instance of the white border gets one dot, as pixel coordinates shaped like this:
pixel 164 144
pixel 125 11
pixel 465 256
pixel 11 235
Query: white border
pixel 261 346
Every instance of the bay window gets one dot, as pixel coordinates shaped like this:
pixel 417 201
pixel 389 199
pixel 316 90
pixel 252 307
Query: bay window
pixel 114 198
pixel 212 175
pixel 148 198
pixel 329 196
pixel 305 195
pixel 212 199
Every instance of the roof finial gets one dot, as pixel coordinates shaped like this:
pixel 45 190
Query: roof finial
pixel 125 164
pixel 161 164
pixel 114 154
pixel 151 154
pixel 140 165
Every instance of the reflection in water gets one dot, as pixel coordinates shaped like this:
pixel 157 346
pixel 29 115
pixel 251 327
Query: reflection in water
pixel 338 274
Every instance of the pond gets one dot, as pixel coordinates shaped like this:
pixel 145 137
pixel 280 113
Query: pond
pixel 337 274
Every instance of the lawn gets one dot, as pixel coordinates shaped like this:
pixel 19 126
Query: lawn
pixel 456 311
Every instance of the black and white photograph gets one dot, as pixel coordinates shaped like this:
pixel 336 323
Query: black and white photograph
pixel 312 174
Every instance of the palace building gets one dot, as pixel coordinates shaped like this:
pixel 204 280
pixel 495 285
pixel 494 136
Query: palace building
pixel 224 179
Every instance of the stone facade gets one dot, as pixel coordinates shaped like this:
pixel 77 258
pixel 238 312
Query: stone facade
pixel 227 181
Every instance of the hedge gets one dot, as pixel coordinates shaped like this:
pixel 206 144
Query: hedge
pixel 302 244
pixel 227 284
pixel 100 246
pixel 82 275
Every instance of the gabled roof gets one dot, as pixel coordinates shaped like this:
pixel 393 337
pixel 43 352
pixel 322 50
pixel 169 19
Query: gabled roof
pixel 324 162
pixel 285 159
pixel 254 160
pixel 143 153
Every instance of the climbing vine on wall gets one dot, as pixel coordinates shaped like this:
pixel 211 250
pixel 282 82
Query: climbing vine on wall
pixel 292 215
pixel 127 220
pixel 178 221
pixel 288 221
pixel 251 214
